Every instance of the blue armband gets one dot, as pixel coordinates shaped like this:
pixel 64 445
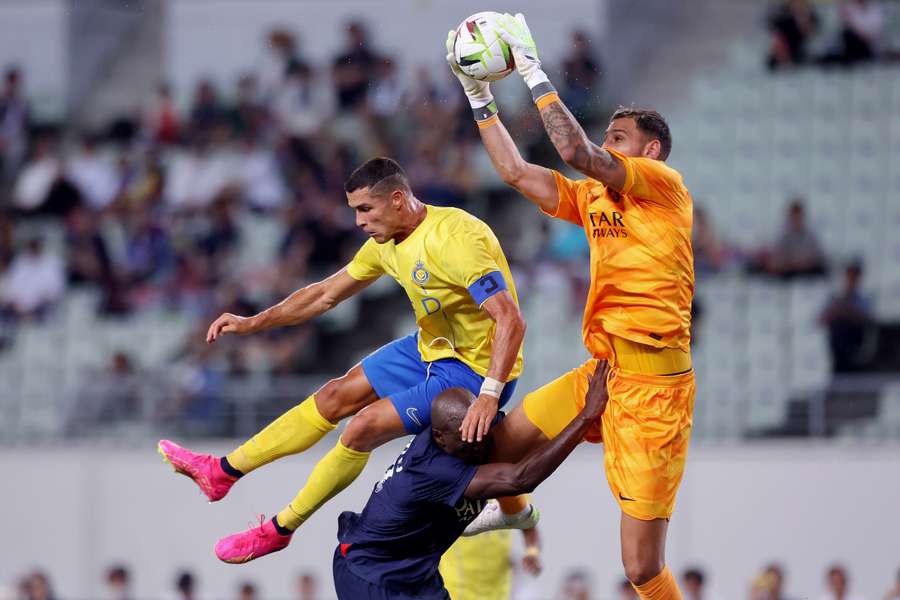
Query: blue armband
pixel 486 286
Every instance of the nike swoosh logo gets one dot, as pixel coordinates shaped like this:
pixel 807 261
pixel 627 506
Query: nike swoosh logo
pixel 621 497
pixel 413 414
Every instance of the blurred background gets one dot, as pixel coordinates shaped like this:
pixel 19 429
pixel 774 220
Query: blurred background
pixel 163 161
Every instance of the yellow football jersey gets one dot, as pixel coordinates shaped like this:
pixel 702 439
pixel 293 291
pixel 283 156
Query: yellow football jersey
pixel 478 567
pixel 448 266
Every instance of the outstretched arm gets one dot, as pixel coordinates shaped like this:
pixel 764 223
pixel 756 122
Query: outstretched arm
pixel 534 182
pixel 565 132
pixel 301 306
pixel 498 479
pixel 575 148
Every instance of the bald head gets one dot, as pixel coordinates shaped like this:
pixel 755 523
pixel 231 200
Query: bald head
pixel 449 409
pixel 447 413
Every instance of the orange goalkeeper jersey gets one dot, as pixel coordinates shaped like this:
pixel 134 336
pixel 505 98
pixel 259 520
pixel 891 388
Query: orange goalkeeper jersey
pixel 642 264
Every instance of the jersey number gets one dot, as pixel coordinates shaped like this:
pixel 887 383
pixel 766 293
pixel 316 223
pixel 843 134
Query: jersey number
pixel 488 284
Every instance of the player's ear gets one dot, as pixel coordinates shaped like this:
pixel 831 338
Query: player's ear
pixel 397 198
pixel 652 149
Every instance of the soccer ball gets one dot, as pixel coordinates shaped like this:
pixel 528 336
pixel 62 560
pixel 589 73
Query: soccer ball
pixel 479 50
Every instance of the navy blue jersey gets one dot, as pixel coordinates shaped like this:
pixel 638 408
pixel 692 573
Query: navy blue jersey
pixel 414 514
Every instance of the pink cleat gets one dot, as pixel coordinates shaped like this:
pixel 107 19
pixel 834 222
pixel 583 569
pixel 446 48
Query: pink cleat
pixel 253 543
pixel 204 469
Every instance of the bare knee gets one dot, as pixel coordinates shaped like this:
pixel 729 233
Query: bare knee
pixel 329 401
pixel 363 432
pixel 641 569
pixel 344 396
pixel 373 426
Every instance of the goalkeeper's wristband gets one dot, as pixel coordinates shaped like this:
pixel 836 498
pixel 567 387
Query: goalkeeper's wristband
pixel 486 112
pixel 543 90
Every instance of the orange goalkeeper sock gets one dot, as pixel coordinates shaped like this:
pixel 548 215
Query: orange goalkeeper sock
pixel 661 587
pixel 513 505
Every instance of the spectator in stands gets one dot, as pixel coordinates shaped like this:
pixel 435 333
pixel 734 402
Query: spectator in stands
pixel 249 116
pixel 36 586
pixel 207 113
pixel 797 252
pixel 196 177
pixel 34 282
pixel 307 586
pixel 221 235
pixel 185 586
pixel 576 586
pixel 93 175
pixel 710 254
pixel 862 26
pixel 148 251
pixel 837 582
pixel 36 178
pixel 894 592
pixel 582 78
pixel 280 52
pixel 299 110
pixel 259 176
pixel 110 395
pixel 247 591
pixel 6 240
pixel 89 261
pixel 791 24
pixel 848 317
pixel 118 583
pixel 386 97
pixel 14 115
pixel 354 68
pixel 693 583
pixel 161 120
pixel 769 585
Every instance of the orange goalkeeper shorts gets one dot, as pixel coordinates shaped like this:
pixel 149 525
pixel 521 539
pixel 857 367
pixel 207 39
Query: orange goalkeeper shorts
pixel 645 431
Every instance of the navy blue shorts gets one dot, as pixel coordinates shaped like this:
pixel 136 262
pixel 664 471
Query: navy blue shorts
pixel 397 371
pixel 350 586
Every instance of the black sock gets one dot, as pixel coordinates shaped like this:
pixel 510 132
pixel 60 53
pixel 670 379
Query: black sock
pixel 226 466
pixel 281 530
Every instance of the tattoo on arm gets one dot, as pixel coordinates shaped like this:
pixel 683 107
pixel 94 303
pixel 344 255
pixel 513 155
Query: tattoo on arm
pixel 570 141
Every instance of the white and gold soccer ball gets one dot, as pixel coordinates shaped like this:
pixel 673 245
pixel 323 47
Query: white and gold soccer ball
pixel 479 50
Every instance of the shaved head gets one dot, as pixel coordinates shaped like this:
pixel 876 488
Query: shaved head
pixel 447 413
pixel 449 409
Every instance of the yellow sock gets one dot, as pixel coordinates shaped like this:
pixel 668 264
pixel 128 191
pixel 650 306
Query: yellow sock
pixel 511 505
pixel 661 587
pixel 333 473
pixel 293 432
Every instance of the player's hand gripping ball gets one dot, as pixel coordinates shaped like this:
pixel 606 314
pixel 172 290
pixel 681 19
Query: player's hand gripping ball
pixel 479 50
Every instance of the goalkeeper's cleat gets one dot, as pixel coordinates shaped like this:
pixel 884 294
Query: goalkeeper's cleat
pixel 492 517
pixel 253 543
pixel 204 469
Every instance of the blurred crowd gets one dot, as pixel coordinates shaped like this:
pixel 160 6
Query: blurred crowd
pixel 154 204
pixel 118 585
pixel 860 38
pixel 797 253
pixel 578 584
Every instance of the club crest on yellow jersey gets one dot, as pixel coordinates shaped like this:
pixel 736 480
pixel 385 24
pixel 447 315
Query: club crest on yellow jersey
pixel 420 275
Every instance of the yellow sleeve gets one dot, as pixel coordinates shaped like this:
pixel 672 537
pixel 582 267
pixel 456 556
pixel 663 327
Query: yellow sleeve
pixel 651 180
pixel 568 208
pixel 367 262
pixel 473 263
